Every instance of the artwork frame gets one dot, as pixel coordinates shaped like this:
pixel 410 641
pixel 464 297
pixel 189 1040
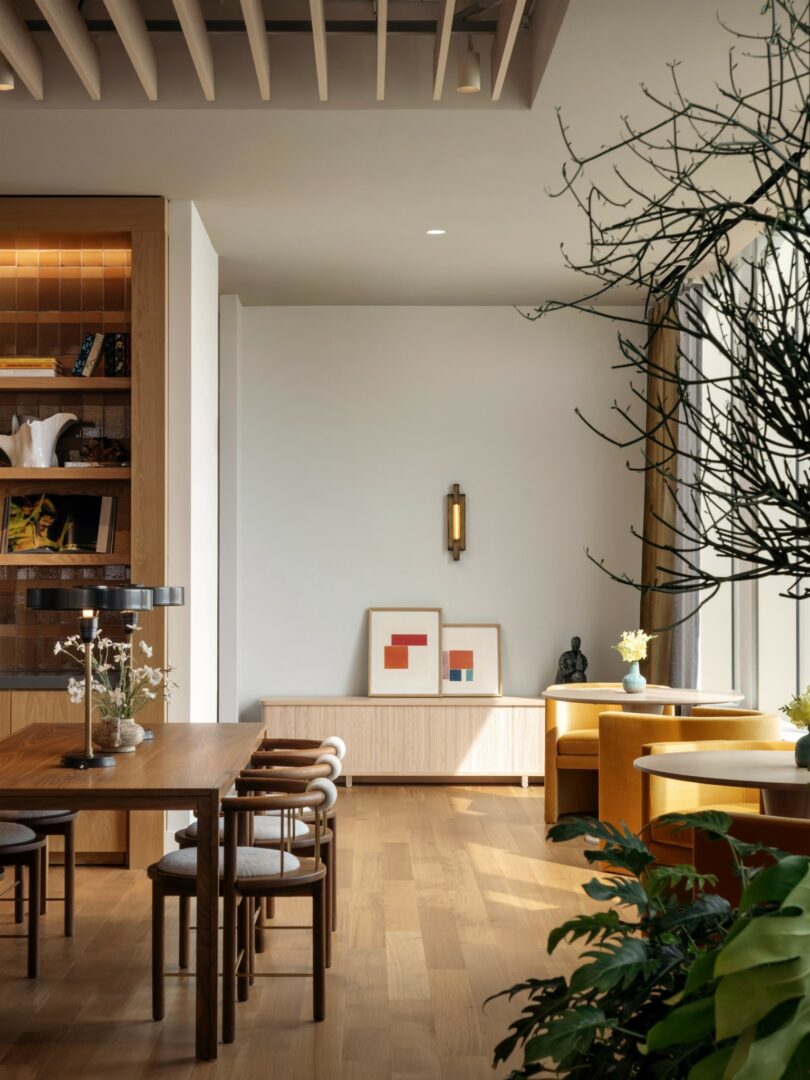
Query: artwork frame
pixel 389 659
pixel 467 638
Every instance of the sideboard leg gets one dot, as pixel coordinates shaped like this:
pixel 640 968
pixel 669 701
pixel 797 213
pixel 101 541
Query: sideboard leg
pixel 348 781
pixel 524 781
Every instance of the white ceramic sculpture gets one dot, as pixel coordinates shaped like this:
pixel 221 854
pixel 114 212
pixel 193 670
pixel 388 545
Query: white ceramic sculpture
pixel 32 443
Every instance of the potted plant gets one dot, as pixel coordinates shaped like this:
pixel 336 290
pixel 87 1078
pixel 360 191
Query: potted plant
pixel 120 689
pixel 797 711
pixel 632 647
pixel 675 983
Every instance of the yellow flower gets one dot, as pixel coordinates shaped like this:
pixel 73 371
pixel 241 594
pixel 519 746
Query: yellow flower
pixel 797 710
pixel 633 645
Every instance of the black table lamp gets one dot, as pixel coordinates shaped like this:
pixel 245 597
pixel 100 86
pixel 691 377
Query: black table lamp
pixel 90 601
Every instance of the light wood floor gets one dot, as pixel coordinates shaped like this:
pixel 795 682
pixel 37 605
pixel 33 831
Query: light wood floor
pixel 446 895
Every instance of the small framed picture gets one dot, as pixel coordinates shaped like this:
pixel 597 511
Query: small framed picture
pixel 403 652
pixel 471 660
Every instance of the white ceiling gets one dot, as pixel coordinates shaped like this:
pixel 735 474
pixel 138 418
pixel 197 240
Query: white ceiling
pixel 330 205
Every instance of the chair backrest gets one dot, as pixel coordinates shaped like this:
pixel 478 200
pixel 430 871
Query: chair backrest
pixel 325 764
pixel 714 857
pixel 332 744
pixel 660 795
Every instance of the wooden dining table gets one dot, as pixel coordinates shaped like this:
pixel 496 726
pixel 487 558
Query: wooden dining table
pixel 185 767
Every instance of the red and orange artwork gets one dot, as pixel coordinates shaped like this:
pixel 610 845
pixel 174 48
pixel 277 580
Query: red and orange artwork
pixel 396 654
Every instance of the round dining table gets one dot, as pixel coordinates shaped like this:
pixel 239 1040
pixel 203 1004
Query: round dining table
pixel 785 787
pixel 651 699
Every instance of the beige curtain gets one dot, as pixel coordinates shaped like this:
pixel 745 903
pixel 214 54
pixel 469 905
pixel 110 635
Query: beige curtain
pixel 656 607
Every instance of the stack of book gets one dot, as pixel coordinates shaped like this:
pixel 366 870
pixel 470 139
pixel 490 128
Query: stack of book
pixel 15 367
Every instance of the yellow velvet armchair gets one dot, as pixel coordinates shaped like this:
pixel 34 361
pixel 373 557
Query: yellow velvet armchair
pixel 661 795
pixel 622 737
pixel 572 754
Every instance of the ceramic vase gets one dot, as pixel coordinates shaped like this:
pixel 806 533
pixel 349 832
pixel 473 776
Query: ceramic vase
pixel 802 752
pixel 118 736
pixel 634 682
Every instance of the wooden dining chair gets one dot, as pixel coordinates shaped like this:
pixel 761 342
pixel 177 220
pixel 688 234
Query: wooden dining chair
pixel 283 765
pixel 248 874
pixel 300 839
pixel 48 823
pixel 21 848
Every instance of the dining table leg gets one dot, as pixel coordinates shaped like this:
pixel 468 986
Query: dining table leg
pixel 207 926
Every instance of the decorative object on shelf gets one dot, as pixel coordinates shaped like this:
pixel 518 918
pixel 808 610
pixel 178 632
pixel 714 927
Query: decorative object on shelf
pixel 632 647
pixel 797 711
pixel 58 523
pixel 162 596
pixel 32 442
pixel 456 522
pixel 101 451
pixel 90 600
pixel 404 652
pixel 471 660
pixel 572 665
pixel 117 362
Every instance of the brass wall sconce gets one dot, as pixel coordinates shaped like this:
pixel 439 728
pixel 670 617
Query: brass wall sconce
pixel 456 522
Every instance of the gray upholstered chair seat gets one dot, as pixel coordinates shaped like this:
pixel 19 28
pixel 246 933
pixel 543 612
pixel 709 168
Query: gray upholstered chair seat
pixel 30 815
pixel 15 834
pixel 264 828
pixel 250 862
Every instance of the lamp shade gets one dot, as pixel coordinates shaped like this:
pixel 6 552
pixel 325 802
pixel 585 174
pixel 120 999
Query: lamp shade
pixel 6 74
pixel 168 595
pixel 95 597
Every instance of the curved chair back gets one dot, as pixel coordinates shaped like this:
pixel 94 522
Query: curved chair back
pixel 622 737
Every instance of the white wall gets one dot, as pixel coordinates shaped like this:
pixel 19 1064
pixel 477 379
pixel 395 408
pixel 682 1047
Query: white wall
pixel 352 424
pixel 193 463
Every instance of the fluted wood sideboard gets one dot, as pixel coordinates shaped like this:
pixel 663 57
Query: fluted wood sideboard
pixel 421 738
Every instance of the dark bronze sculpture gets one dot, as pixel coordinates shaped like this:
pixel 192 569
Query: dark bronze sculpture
pixel 572 665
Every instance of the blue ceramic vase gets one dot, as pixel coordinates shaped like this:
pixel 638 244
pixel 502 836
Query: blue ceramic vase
pixel 802 752
pixel 634 682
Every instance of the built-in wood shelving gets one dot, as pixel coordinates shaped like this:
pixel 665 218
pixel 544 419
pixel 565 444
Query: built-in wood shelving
pixel 72 476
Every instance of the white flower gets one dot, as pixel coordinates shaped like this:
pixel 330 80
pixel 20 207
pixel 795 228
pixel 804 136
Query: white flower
pixel 75 691
pixel 57 648
pixel 145 649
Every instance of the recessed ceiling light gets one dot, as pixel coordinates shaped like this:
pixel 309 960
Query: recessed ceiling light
pixel 436 232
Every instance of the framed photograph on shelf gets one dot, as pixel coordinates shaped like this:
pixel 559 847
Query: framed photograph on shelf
pixel 471 660
pixel 57 524
pixel 403 652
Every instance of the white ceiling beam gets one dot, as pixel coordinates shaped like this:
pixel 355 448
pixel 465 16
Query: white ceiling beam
pixel 441 49
pixel 319 43
pixel 253 14
pixel 547 18
pixel 382 46
pixel 20 49
pixel 194 30
pixel 131 27
pixel 510 13
pixel 70 30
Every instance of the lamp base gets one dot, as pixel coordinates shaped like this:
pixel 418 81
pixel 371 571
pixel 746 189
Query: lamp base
pixel 78 759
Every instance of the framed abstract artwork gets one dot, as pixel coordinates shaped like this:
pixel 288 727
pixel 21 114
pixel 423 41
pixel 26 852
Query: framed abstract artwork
pixel 403 652
pixel 471 660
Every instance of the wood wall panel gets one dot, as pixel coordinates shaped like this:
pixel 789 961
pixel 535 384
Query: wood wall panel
pixel 498 737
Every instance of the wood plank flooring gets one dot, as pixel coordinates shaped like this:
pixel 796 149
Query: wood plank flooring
pixel 446 895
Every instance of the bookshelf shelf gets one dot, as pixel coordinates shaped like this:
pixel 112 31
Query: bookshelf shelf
pixel 72 476
pixel 63 559
pixel 64 383
pixel 66 318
